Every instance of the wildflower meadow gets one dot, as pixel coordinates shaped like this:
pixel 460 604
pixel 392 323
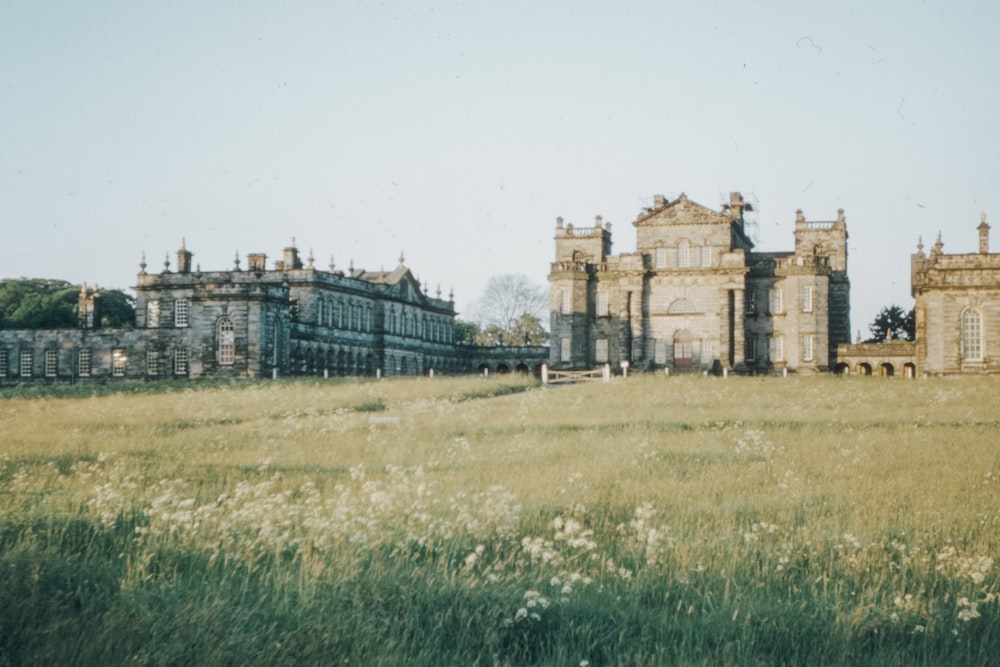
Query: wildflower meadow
pixel 472 521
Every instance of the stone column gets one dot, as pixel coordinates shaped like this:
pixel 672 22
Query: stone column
pixel 738 342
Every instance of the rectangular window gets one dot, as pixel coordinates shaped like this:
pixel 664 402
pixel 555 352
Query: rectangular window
pixel 776 302
pixel 659 351
pixel 807 348
pixel 118 362
pixel 806 297
pixel 153 313
pixel 777 348
pixel 83 363
pixel 181 361
pixel 566 304
pixel 601 350
pixel 706 255
pixel 660 258
pixel 4 363
pixel 751 302
pixel 26 363
pixel 602 304
pixel 152 362
pixel 751 347
pixel 51 363
pixel 566 354
pixel 181 313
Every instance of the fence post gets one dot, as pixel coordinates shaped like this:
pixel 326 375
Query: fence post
pixel 606 372
pixel 545 373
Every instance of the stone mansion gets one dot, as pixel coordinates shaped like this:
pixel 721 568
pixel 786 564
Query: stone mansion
pixel 292 318
pixel 695 295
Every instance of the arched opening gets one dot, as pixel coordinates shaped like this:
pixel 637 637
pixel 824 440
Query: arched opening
pixel 484 369
pixel 227 341
pixel 522 369
pixel 886 370
pixel 843 368
pixel 342 362
pixel 503 369
pixel 864 368
pixel 909 370
pixel 683 349
pixel 403 368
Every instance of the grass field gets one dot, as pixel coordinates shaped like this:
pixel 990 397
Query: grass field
pixel 690 521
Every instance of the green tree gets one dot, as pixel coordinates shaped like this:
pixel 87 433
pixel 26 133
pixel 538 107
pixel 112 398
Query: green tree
pixel 901 324
pixel 52 304
pixel 466 332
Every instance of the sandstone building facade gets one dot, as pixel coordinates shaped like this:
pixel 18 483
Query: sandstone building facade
pixel 290 319
pixel 695 295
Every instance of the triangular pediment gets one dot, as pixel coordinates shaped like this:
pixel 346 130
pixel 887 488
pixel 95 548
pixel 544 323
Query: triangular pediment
pixel 679 211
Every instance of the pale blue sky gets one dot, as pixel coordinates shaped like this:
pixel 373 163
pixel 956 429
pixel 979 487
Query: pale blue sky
pixel 458 131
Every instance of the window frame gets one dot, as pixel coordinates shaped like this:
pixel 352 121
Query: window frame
pixel 806 298
pixel 26 363
pixel 182 361
pixel 971 328
pixel 776 301
pixel 226 333
pixel 119 362
pixel 182 313
pixel 4 362
pixel 601 351
pixel 51 363
pixel 84 362
pixel 807 348
pixel 153 314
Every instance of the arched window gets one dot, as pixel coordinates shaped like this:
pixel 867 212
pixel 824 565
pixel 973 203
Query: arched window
pixel 227 342
pixel 683 252
pixel 660 258
pixel 972 335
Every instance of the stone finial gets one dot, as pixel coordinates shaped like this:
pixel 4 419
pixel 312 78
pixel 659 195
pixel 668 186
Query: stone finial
pixel 236 261
pixel 598 221
pixel 984 235
pixel 840 215
pixel 332 264
pixel 166 263
pixel 559 222
pixel 857 337
pixel 310 258
pixel 938 245
pixel 402 258
pixel 351 267
pixel 799 216
pixel 439 290
pixel 451 295
pixel 920 244
pixel 142 263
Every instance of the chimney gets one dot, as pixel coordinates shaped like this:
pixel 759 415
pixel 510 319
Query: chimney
pixel 984 235
pixel 659 201
pixel 183 259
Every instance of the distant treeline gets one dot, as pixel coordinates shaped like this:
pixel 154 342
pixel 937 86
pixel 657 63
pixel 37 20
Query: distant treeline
pixel 52 304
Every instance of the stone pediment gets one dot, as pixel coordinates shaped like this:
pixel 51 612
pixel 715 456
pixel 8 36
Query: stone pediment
pixel 681 211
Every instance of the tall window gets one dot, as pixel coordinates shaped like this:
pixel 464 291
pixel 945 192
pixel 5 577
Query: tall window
pixel 321 314
pixel 683 254
pixel 566 304
pixel 972 335
pixel 806 298
pixel 181 313
pixel 181 361
pixel 776 348
pixel 227 341
pixel 51 363
pixel 4 363
pixel 706 255
pixel 750 346
pixel 83 362
pixel 153 313
pixel 566 354
pixel 118 362
pixel 602 304
pixel 751 301
pixel 152 362
pixel 26 363
pixel 660 258
pixel 601 350
pixel 776 302
pixel 807 348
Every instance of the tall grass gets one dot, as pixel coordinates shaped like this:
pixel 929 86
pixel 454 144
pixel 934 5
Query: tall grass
pixel 468 521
